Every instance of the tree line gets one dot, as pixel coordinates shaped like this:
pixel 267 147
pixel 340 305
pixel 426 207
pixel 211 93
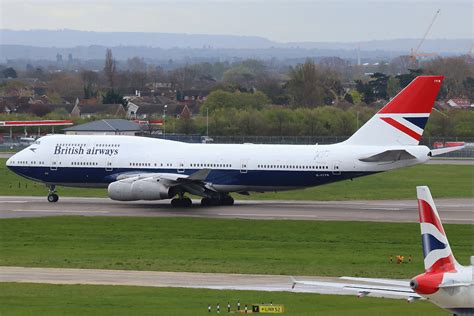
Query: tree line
pixel 255 97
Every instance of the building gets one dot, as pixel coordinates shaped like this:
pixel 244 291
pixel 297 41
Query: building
pixel 460 103
pixel 88 111
pixel 105 127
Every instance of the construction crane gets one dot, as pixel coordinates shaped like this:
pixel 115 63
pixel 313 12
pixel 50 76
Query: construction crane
pixel 414 52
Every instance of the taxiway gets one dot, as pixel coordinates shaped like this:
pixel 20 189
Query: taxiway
pixel 215 281
pixel 458 211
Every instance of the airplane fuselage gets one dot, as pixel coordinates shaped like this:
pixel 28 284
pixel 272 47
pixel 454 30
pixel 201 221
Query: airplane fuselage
pixel 458 299
pixel 96 161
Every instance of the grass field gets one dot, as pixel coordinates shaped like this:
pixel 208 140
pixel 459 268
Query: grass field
pixel 43 299
pixel 216 245
pixel 444 181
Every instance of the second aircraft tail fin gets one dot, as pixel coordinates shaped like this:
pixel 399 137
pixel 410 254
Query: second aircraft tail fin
pixel 437 253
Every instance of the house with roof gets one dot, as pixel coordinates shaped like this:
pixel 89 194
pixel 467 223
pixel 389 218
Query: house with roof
pixel 105 127
pixel 192 95
pixel 94 110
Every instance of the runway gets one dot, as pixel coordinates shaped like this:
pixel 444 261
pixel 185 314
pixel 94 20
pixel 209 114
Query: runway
pixel 215 281
pixel 457 211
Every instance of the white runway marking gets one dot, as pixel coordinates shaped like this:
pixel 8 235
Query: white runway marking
pixel 61 211
pixel 14 202
pixel 266 215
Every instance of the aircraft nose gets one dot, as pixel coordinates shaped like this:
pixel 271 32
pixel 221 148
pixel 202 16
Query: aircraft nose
pixel 9 162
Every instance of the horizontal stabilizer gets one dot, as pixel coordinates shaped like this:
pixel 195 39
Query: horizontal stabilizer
pixel 440 151
pixel 389 156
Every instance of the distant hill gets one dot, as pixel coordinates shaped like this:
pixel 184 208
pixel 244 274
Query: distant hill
pixel 161 47
pixel 72 38
pixel 161 55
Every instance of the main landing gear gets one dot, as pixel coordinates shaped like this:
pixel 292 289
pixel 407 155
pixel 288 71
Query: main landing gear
pixel 224 200
pixel 181 201
pixel 52 196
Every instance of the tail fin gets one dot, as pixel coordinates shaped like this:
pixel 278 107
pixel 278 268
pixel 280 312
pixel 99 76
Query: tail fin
pixel 403 119
pixel 436 250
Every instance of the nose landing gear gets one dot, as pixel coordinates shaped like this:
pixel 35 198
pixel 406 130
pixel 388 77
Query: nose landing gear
pixel 52 196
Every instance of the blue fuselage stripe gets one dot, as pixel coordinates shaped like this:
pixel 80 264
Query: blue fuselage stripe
pixel 270 178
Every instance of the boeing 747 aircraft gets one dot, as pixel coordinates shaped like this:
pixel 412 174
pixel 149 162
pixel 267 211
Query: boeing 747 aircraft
pixel 140 168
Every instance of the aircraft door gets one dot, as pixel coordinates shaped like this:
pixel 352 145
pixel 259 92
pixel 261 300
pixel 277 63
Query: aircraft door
pixel 54 165
pixel 180 166
pixel 243 165
pixel 108 165
pixel 336 168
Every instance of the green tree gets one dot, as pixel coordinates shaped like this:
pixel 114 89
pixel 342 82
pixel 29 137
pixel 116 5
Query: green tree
pixel 393 87
pixel 110 68
pixel 9 73
pixel 111 97
pixel 406 78
pixel 305 87
pixel 90 81
pixel 221 99
pixel 185 125
pixel 455 71
pixel 468 84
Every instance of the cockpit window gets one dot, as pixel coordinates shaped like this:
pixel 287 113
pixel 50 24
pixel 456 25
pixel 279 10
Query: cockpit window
pixel 36 142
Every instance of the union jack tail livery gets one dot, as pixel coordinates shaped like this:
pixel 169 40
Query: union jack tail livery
pixel 403 119
pixel 445 282
pixel 436 250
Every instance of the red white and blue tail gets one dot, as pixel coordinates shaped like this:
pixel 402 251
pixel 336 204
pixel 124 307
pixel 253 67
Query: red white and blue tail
pixel 403 119
pixel 437 253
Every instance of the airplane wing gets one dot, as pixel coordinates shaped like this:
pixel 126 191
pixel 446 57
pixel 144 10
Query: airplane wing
pixel 367 286
pixel 194 183
pixel 200 175
pixel 389 156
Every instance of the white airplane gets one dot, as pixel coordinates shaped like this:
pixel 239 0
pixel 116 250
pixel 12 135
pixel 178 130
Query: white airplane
pixel 140 168
pixel 445 282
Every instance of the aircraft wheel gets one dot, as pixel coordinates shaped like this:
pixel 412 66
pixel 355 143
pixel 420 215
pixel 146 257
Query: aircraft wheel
pixel 228 200
pixel 184 202
pixel 206 201
pixel 187 202
pixel 52 198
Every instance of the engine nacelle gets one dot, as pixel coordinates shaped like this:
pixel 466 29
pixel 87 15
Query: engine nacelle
pixel 133 190
pixel 426 283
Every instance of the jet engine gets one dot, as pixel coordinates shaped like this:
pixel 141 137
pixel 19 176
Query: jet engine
pixel 143 189
pixel 426 283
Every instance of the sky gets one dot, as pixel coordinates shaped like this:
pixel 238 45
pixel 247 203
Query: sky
pixel 277 20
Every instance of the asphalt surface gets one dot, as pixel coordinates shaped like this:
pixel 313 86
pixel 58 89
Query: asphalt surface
pixel 216 281
pixel 459 211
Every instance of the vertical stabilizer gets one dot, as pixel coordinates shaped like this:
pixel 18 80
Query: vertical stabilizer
pixel 403 119
pixel 437 253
